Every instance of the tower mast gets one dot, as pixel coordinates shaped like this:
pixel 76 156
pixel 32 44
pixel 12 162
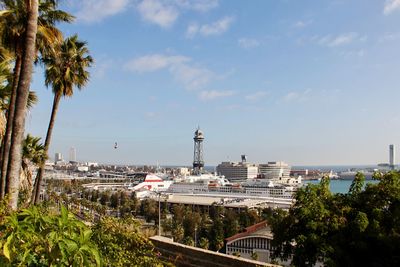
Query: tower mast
pixel 198 160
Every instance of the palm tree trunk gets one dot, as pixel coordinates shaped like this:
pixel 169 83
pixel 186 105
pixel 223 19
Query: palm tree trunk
pixel 5 148
pixel 39 176
pixel 15 157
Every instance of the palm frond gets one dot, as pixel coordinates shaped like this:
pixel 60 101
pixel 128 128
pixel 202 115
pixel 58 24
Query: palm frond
pixel 66 68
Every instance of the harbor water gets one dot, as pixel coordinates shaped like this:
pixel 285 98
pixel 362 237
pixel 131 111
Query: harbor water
pixel 339 186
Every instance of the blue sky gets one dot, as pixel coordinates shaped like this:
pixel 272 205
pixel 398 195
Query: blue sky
pixel 308 82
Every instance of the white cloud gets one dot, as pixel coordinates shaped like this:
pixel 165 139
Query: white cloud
pixel 102 66
pixel 198 5
pixel 213 94
pixel 302 23
pixel 154 62
pixel 248 43
pixel 164 13
pixel 191 76
pixel 192 30
pixel 256 96
pixel 158 12
pixel 391 6
pixel 96 10
pixel 216 28
pixel 340 40
pixel 297 96
pixel 356 53
pixel 389 37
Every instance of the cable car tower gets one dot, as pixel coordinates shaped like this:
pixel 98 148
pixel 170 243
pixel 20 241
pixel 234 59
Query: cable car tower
pixel 198 160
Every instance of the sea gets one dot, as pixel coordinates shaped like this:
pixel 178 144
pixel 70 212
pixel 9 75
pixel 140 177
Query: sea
pixel 339 186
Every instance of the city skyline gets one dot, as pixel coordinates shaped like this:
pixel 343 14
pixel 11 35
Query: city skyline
pixel 303 82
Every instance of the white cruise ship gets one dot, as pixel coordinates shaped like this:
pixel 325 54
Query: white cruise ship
pixel 211 184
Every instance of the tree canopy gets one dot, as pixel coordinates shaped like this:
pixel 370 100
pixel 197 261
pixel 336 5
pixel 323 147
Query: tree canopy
pixel 359 228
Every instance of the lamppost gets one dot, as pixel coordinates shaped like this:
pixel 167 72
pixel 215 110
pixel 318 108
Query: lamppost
pixel 195 235
pixel 159 213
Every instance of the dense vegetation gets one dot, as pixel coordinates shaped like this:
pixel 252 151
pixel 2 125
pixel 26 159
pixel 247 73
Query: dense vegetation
pixel 360 228
pixel 47 236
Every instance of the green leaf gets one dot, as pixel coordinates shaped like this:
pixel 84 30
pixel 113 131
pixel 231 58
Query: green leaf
pixel 6 248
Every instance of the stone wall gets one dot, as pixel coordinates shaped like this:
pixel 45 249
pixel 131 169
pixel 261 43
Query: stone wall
pixel 182 255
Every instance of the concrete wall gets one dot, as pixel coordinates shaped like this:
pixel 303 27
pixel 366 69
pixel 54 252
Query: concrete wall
pixel 182 255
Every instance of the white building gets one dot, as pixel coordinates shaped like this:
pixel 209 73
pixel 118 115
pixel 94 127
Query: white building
pixel 275 170
pixel 72 154
pixel 237 171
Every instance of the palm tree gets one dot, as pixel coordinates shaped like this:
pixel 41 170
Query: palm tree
pixel 5 93
pixel 32 154
pixel 13 29
pixel 64 70
pixel 15 154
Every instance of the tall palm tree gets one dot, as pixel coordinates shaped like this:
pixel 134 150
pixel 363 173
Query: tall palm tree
pixel 65 70
pixel 12 32
pixel 15 155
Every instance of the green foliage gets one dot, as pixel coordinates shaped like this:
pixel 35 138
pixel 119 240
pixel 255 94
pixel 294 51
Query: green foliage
pixel 178 233
pixel 104 197
pixel 361 228
pixel 149 208
pixel 204 243
pixel 357 184
pixel 33 151
pixel 217 235
pixel 191 222
pixel 188 241
pixel 121 244
pixel 231 223
pixel 32 237
pixel 114 200
pixel 66 67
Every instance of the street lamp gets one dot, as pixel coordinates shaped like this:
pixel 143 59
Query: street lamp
pixel 159 213
pixel 195 235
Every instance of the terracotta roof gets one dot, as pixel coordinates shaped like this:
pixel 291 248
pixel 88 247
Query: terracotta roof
pixel 249 230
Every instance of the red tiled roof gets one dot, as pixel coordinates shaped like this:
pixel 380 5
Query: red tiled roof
pixel 248 231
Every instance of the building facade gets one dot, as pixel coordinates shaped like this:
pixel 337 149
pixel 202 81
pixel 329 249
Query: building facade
pixel 275 170
pixel 237 171
pixel 254 243
pixel 72 154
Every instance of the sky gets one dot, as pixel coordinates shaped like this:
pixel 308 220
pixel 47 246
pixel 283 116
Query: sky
pixel 303 81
